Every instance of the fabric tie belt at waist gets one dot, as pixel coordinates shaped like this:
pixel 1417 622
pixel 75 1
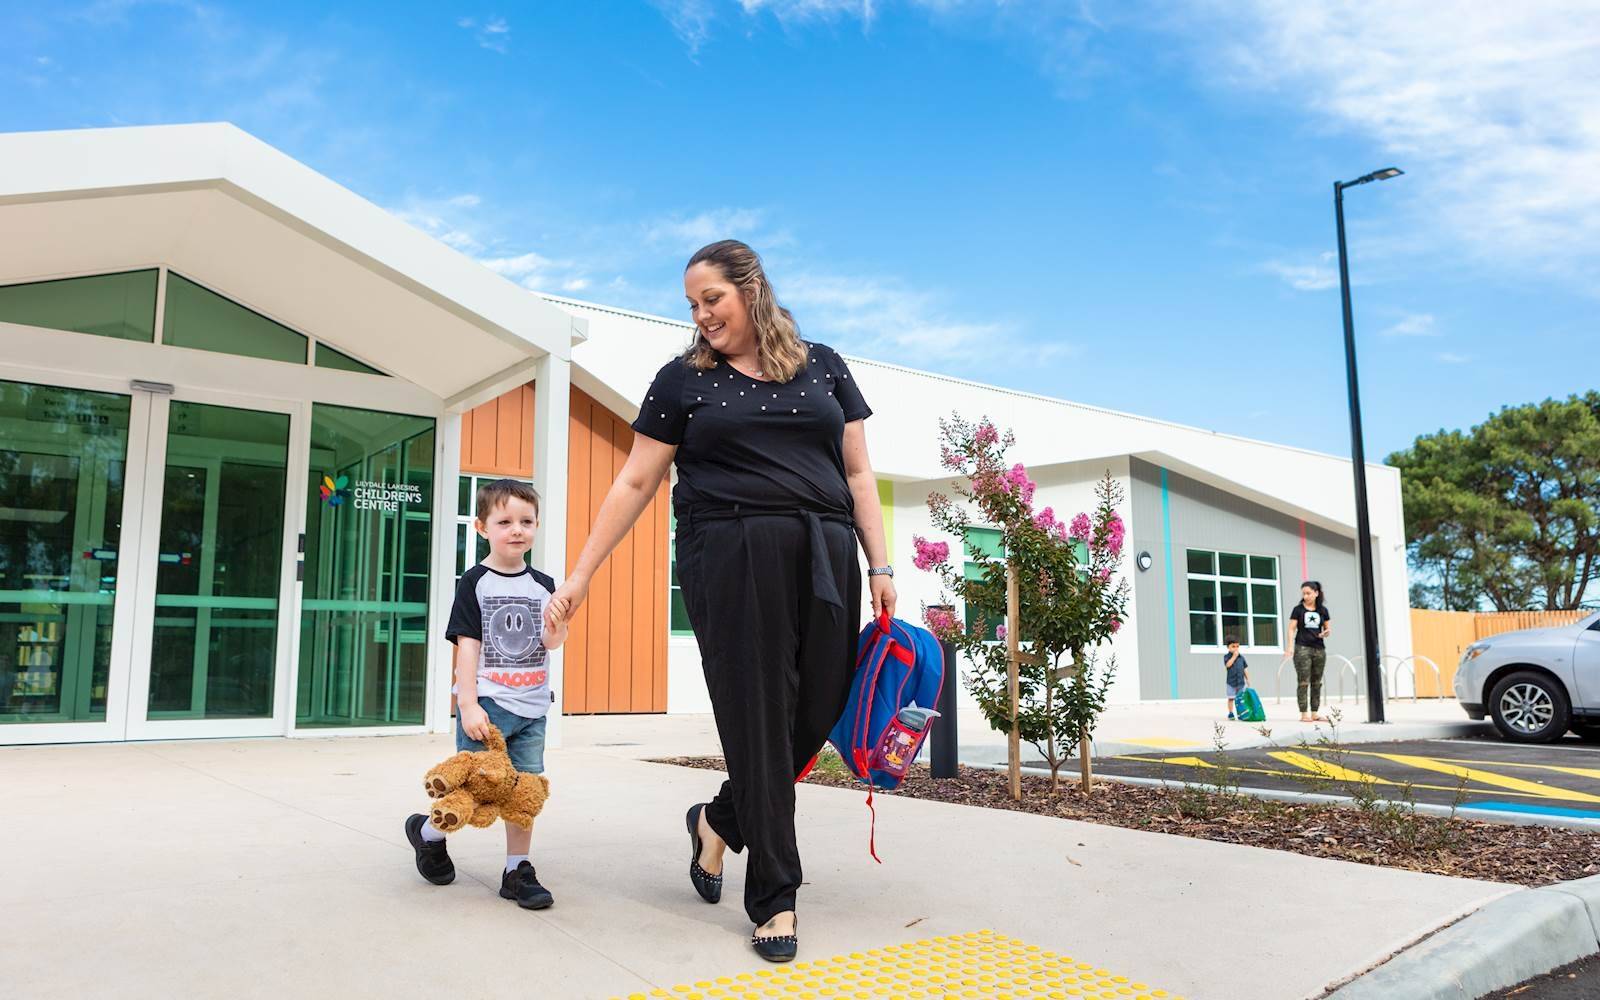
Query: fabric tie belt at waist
pixel 823 584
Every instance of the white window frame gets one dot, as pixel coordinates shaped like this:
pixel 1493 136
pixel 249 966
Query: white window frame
pixel 1217 579
pixel 469 558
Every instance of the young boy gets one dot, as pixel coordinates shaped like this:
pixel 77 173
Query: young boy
pixel 501 672
pixel 1237 677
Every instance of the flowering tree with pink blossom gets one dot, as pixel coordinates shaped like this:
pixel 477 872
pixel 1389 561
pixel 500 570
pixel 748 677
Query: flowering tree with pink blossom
pixel 1069 598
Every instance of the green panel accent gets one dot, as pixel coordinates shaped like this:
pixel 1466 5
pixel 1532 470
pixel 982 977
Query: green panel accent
pixel 108 305
pixel 1263 599
pixel 200 318
pixel 222 511
pixel 62 458
pixel 1202 630
pixel 327 357
pixel 1230 564
pixel 1237 626
pixel 886 502
pixel 1203 595
pixel 984 542
pixel 364 631
pixel 464 497
pixel 1266 631
pixel 1263 568
pixel 1202 562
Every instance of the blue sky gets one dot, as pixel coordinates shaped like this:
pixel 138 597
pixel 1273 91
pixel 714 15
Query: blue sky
pixel 1126 204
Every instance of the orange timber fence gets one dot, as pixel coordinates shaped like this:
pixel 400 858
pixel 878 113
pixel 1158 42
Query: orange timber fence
pixel 1442 636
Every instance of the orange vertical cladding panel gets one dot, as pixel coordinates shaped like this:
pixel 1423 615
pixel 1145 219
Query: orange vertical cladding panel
pixel 616 653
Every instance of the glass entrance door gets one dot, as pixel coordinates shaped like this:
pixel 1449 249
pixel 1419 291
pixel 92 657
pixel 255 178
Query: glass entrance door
pixel 214 631
pixel 63 462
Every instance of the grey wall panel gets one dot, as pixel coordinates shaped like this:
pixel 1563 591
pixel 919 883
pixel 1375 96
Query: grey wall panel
pixel 1204 517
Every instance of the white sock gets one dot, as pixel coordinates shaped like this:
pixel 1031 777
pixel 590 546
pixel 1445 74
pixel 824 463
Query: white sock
pixel 513 860
pixel 431 833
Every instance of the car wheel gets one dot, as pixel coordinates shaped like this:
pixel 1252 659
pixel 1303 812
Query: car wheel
pixel 1588 732
pixel 1529 707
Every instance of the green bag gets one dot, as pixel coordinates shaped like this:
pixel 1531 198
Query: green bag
pixel 1247 706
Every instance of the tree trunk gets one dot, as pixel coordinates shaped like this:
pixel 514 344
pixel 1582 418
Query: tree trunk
pixel 1013 739
pixel 1085 771
pixel 1050 739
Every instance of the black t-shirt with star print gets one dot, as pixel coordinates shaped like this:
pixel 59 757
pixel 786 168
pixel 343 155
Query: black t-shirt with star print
pixel 750 442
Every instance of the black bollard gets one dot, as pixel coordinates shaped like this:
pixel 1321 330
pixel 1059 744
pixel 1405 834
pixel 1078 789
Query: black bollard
pixel 945 741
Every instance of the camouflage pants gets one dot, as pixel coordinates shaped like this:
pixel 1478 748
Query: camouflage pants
pixel 1309 663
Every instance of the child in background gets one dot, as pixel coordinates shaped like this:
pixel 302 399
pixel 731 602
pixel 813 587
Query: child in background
pixel 1233 661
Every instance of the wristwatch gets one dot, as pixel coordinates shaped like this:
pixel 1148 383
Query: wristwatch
pixel 881 571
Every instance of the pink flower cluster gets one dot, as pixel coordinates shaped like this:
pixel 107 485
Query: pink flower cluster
pixel 941 621
pixel 987 434
pixel 1116 533
pixel 1081 528
pixel 929 554
pixel 1046 522
pixel 1000 632
pixel 1017 481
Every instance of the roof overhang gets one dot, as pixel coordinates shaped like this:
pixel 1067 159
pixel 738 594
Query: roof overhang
pixel 218 205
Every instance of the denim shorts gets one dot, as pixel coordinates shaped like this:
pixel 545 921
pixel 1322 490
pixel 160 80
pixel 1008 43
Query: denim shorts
pixel 524 737
pixel 1233 692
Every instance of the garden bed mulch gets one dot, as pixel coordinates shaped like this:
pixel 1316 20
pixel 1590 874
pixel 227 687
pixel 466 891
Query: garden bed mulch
pixel 1387 837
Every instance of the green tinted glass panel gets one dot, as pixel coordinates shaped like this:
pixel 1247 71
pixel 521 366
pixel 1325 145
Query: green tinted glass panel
pixel 1230 564
pixel 1202 630
pixel 214 648
pixel 464 496
pixel 327 357
pixel 680 614
pixel 108 305
pixel 363 652
pixel 1202 562
pixel 1233 598
pixel 200 318
pixel 62 458
pixel 1236 626
pixel 1202 595
pixel 1263 599
pixel 984 542
pixel 1266 631
pixel 1263 568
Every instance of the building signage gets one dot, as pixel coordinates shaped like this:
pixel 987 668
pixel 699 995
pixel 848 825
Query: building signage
pixel 366 494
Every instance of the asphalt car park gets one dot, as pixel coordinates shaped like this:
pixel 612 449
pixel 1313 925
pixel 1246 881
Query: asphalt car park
pixel 1555 782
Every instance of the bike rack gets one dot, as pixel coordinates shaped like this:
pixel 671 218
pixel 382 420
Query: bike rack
pixel 1277 678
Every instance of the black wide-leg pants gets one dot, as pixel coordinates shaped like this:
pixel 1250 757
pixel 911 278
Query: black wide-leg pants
pixel 774 599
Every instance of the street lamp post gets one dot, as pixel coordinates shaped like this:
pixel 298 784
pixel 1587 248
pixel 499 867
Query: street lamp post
pixel 1369 603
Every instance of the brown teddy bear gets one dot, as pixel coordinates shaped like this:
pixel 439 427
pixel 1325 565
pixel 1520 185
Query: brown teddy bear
pixel 477 787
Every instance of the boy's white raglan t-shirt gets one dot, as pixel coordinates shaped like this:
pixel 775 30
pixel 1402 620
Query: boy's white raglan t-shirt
pixel 505 612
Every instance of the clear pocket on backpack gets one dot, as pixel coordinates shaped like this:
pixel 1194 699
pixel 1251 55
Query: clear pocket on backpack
pixel 901 741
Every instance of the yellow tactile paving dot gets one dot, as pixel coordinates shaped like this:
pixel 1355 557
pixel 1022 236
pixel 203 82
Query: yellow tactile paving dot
pixel 981 965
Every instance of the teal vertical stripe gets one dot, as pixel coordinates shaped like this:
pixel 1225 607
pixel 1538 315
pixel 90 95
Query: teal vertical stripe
pixel 1172 601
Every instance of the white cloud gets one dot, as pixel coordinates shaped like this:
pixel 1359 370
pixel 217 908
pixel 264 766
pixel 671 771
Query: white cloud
pixel 689 233
pixel 492 33
pixel 1491 108
pixel 690 21
pixel 883 318
pixel 1315 276
pixel 788 11
pixel 575 285
pixel 1414 325
pixel 1451 358
pixel 468 200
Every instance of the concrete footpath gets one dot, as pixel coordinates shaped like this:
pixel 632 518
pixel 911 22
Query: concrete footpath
pixel 274 868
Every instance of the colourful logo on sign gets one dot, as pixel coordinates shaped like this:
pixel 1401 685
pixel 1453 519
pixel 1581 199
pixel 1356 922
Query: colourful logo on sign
pixel 334 491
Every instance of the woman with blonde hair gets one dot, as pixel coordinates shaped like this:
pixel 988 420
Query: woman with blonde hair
pixel 774 491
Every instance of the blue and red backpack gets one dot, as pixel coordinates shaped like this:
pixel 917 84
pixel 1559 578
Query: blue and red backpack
pixel 899 673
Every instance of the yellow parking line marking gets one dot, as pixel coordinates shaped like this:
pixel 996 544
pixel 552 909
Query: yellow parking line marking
pixel 1543 793
pixel 1326 769
pixel 1581 772
pixel 1482 777
pixel 977 965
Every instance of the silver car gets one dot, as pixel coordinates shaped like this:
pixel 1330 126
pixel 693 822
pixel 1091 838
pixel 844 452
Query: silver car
pixel 1535 684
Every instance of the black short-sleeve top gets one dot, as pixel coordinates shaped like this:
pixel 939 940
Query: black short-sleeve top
pixel 750 442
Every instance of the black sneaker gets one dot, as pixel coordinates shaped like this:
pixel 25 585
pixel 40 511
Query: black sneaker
pixel 433 858
pixel 523 886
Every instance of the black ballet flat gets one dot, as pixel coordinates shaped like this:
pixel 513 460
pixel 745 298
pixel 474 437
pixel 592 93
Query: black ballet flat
pixel 779 948
pixel 709 886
